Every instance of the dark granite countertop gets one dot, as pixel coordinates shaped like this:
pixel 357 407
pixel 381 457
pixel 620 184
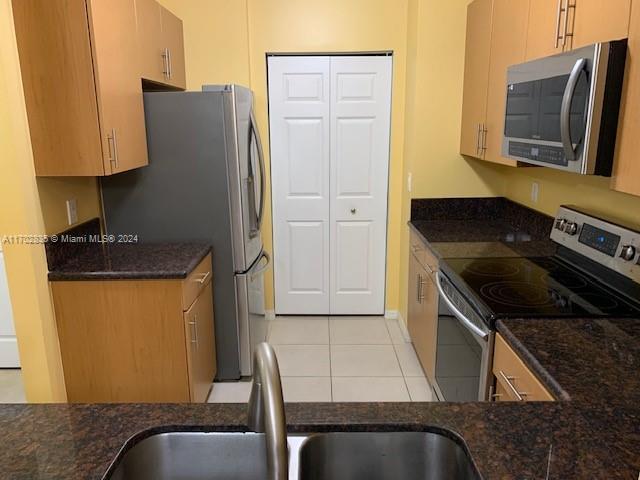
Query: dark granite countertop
pixel 481 227
pixel 132 261
pixel 580 359
pixel 506 440
pixel 77 256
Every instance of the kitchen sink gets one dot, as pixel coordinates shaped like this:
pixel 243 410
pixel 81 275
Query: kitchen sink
pixel 193 456
pixel 385 456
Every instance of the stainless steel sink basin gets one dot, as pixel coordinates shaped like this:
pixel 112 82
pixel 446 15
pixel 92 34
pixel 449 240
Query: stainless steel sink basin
pixel 385 456
pixel 193 456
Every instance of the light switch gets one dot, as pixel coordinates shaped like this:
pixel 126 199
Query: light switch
pixel 72 211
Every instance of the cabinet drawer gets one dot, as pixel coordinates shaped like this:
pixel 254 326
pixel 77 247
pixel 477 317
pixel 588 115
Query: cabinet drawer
pixel 512 376
pixel 423 254
pixel 195 282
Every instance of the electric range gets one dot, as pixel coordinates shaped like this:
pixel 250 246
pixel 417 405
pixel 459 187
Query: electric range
pixel 594 273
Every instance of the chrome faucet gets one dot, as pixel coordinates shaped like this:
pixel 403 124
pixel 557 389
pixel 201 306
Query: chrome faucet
pixel 266 410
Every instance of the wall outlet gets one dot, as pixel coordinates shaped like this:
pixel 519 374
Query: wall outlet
pixel 409 181
pixel 535 192
pixel 72 211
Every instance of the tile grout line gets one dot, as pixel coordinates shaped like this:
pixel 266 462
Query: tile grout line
pixel 330 364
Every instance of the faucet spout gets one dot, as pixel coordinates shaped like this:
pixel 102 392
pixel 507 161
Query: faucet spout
pixel 266 410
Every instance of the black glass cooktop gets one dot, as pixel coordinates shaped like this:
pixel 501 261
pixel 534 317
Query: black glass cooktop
pixel 545 286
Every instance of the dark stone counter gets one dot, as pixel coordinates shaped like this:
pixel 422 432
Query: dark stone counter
pixel 77 255
pixel 506 440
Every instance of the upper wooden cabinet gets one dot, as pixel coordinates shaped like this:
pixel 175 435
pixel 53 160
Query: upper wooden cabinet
pixel 508 42
pixel 626 169
pixel 476 74
pixel 81 85
pixel 561 25
pixel 160 44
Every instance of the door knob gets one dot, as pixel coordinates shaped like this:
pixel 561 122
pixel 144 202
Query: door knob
pixel 353 211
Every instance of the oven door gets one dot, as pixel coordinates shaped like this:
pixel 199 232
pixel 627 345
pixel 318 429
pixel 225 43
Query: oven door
pixel 549 110
pixel 464 348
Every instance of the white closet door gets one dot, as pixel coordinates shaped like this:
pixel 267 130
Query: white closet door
pixel 360 127
pixel 299 128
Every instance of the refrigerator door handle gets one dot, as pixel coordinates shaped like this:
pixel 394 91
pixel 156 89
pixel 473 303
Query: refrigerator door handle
pixel 264 255
pixel 256 134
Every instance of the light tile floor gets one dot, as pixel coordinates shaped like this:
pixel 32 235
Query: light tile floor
pixel 340 359
pixel 11 388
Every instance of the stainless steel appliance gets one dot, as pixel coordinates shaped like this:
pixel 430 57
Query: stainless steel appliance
pixel 562 110
pixel 204 182
pixel 595 272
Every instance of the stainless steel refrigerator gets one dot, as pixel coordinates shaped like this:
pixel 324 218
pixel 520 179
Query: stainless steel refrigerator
pixel 204 182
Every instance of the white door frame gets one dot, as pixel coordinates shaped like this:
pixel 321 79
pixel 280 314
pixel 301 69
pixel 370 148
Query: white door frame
pixel 362 107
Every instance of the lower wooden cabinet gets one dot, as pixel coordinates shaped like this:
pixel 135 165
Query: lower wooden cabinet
pixel 514 381
pixel 137 340
pixel 422 308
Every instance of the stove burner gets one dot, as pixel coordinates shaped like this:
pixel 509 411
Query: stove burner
pixel 493 269
pixel 596 300
pixel 566 279
pixel 518 294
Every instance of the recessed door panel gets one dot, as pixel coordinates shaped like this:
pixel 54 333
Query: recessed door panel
pixel 303 87
pixel 307 271
pixel 354 156
pixel 354 242
pixel 356 86
pixel 305 152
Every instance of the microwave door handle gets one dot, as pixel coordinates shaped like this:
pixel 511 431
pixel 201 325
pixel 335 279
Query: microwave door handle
pixel 458 314
pixel 565 110
pixel 256 134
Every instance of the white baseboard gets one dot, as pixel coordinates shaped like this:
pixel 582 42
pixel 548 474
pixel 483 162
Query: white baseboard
pixel 397 316
pixel 270 315
pixel 391 314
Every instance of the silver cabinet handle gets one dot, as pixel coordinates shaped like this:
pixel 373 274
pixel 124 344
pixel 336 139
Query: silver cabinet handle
pixel 483 144
pixel 519 395
pixel 478 134
pixel 204 278
pixel 558 18
pixel 565 109
pixel 565 32
pixel 194 331
pixel 165 62
pixel 112 142
pixel 170 69
pixel 418 283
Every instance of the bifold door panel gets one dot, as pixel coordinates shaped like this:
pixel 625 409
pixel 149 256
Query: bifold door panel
pixel 329 126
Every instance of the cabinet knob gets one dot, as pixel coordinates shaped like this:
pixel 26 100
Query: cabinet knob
pixel 353 211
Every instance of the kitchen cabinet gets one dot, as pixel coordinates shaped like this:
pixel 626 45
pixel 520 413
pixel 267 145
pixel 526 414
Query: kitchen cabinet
pixel 561 25
pixel 476 78
pixel 508 42
pixel 149 340
pixel 82 86
pixel 513 380
pixel 626 167
pixel 160 44
pixel 422 308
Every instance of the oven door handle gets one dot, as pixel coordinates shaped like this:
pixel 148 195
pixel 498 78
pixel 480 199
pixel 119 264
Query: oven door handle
pixel 565 110
pixel 458 314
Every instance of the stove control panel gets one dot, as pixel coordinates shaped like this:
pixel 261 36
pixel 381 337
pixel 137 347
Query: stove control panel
pixel 611 243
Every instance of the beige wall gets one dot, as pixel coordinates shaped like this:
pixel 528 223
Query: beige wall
pixel 558 188
pixel 20 213
pixel 435 67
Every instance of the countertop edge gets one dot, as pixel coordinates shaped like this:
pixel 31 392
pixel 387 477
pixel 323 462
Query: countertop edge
pixel 532 362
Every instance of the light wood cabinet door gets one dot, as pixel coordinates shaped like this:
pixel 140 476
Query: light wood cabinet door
pixel 59 87
pixel 151 56
pixel 508 42
pixel 113 33
pixel 423 315
pixel 201 350
pixel 546 23
pixel 514 381
pixel 592 21
pixel 476 77
pixel 173 39
pixel 626 169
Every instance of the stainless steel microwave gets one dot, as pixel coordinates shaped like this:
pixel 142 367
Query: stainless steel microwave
pixel 562 110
